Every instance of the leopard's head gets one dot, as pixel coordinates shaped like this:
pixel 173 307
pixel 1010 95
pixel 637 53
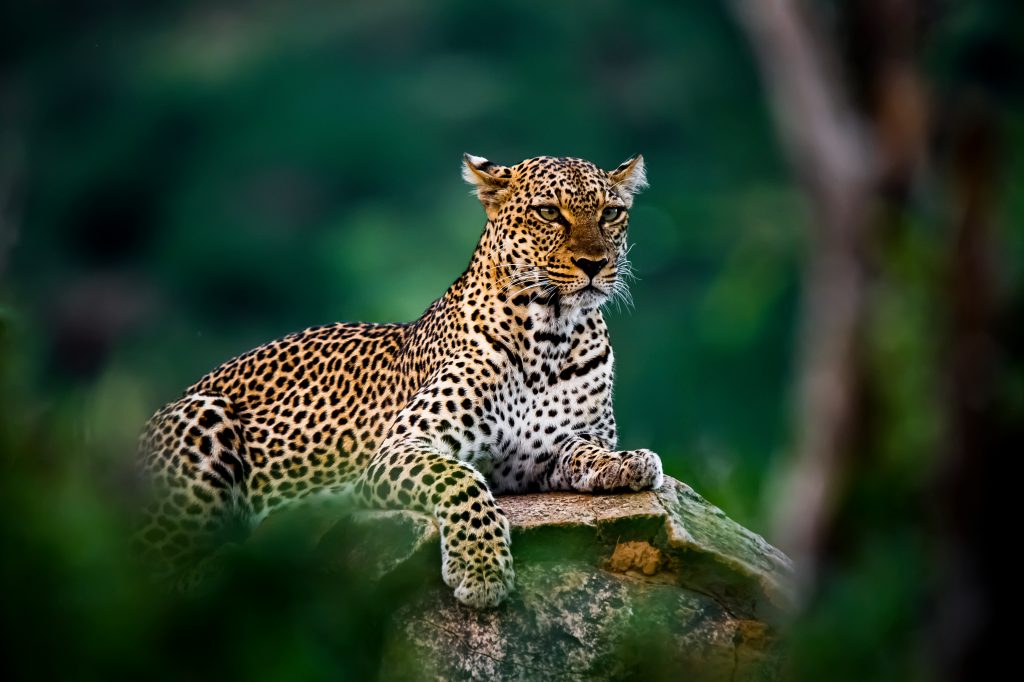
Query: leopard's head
pixel 557 226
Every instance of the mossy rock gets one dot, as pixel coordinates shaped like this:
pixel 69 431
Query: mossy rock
pixel 650 585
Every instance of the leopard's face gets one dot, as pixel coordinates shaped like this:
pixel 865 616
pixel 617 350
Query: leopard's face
pixel 558 226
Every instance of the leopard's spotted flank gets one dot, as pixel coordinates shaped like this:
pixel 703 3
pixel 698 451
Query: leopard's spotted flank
pixel 503 385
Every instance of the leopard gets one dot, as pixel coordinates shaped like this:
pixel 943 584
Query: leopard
pixel 502 386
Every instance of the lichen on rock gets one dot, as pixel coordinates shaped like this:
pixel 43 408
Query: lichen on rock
pixel 635 555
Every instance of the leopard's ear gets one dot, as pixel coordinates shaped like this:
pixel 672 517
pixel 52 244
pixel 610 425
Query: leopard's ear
pixel 630 177
pixel 490 181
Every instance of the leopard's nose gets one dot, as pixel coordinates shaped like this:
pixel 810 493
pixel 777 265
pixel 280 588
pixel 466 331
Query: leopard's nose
pixel 590 267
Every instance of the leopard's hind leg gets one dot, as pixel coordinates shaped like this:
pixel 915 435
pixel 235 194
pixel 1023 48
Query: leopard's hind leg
pixel 194 457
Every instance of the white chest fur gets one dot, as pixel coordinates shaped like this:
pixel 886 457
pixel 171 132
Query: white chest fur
pixel 562 389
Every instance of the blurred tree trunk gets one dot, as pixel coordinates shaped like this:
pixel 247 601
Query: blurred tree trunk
pixel 11 161
pixel 847 151
pixel 964 633
pixel 857 137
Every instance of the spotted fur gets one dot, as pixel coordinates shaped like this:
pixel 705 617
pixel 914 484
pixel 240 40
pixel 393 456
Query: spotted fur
pixel 503 385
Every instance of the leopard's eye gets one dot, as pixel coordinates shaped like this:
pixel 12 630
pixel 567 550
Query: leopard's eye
pixel 549 213
pixel 611 213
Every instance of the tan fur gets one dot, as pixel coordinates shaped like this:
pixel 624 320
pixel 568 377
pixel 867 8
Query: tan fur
pixel 503 385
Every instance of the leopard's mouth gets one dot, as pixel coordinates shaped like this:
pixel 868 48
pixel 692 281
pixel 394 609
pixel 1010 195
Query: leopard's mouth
pixel 584 295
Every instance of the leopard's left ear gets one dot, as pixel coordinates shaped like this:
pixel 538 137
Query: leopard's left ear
pixel 490 180
pixel 630 177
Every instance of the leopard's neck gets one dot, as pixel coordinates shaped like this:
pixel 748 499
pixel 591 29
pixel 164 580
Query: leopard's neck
pixel 516 316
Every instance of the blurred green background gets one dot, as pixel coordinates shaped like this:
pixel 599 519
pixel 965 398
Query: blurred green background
pixel 203 179
pixel 184 181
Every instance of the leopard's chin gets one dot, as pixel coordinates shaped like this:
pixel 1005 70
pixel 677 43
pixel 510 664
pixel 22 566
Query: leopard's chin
pixel 589 296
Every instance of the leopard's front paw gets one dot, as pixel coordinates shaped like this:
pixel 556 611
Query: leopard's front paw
pixel 477 563
pixel 640 470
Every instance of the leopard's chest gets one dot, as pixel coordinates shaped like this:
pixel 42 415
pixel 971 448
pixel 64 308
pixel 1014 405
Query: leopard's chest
pixel 560 391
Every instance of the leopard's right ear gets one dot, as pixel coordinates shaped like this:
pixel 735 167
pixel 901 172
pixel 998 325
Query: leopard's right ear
pixel 490 181
pixel 629 178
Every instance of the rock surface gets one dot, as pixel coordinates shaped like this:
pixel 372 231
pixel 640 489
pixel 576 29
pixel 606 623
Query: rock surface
pixel 651 585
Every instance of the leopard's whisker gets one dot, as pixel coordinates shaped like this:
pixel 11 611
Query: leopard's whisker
pixel 518 281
